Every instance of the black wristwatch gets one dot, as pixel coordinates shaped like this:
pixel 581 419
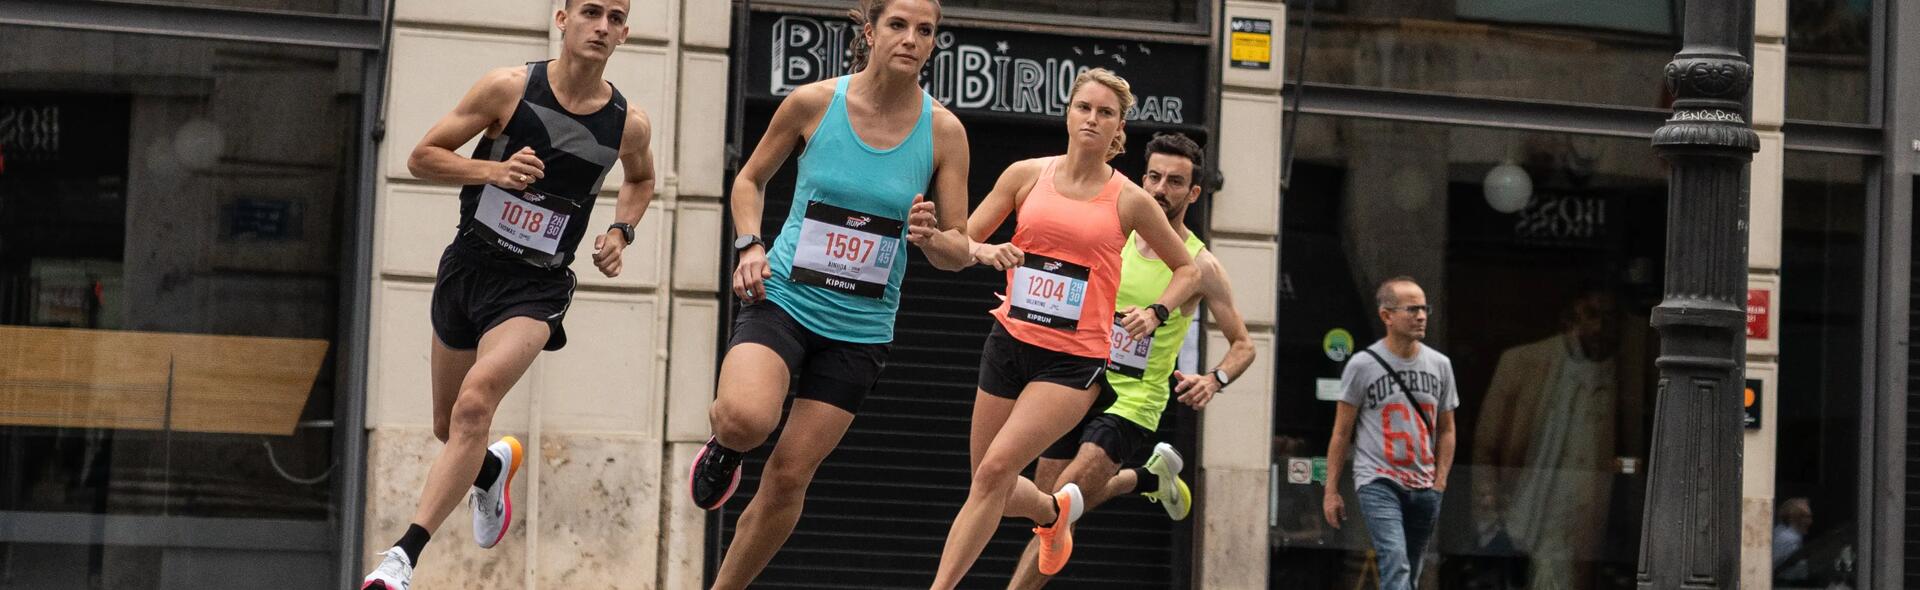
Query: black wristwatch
pixel 747 241
pixel 1160 311
pixel 626 231
pixel 1221 376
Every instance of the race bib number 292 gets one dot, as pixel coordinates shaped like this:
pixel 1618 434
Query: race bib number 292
pixel 1127 355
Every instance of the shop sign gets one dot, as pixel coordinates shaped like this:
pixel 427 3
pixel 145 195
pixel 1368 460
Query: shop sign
pixel 1759 307
pixel 30 131
pixel 1252 43
pixel 1751 403
pixel 1562 219
pixel 986 70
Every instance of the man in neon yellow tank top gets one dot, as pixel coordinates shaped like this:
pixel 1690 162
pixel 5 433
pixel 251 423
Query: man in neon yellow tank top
pixel 1140 373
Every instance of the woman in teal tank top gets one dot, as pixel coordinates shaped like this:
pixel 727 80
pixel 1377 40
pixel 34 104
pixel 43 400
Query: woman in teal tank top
pixel 819 302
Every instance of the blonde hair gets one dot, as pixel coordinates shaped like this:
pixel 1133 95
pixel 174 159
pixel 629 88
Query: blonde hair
pixel 1120 88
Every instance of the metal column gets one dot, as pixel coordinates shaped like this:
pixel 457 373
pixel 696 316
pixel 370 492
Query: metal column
pixel 1691 533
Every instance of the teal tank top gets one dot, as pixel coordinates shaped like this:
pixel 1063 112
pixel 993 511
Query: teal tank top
pixel 841 254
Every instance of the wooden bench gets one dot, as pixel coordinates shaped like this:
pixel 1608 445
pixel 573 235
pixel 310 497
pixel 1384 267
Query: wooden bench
pixel 73 378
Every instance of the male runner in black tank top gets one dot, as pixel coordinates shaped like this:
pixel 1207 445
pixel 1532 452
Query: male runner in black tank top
pixel 553 130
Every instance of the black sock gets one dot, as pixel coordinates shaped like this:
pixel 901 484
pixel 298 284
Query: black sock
pixel 1056 516
pixel 1145 482
pixel 413 542
pixel 489 468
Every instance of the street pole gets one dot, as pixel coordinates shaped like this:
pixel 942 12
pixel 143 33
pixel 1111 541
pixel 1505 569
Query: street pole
pixel 1690 535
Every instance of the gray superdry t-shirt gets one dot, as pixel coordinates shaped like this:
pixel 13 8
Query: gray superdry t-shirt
pixel 1389 441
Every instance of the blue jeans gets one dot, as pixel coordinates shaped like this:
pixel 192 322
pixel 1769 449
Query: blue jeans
pixel 1400 522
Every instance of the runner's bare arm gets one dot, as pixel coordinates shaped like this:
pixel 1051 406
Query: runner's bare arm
pixel 792 122
pixel 1217 289
pixel 1007 194
pixel 1140 214
pixel 484 109
pixel 948 247
pixel 1218 293
pixel 636 190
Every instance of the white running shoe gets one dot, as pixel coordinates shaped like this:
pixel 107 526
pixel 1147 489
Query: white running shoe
pixel 493 504
pixel 394 573
pixel 1173 494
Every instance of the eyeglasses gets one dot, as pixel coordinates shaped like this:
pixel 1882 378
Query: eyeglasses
pixel 1415 309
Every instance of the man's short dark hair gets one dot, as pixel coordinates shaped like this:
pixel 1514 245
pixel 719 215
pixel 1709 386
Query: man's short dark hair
pixel 1178 144
pixel 1386 296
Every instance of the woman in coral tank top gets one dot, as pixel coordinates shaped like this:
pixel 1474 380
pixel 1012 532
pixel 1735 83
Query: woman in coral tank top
pixel 1041 367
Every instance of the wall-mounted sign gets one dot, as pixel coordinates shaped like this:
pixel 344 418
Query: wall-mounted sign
pixel 1763 314
pixel 1759 308
pixel 1751 404
pixel 260 219
pixel 972 69
pixel 1251 41
pixel 1337 344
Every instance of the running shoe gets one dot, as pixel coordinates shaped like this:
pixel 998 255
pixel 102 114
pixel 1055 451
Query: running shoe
pixel 1173 494
pixel 1056 541
pixel 714 476
pixel 394 573
pixel 493 504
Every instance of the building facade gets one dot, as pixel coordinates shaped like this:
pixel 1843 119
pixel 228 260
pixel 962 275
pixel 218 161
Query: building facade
pixel 217 270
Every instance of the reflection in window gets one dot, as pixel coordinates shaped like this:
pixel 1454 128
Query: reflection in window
pixel 1609 53
pixel 1829 45
pixel 1544 253
pixel 170 282
pixel 1176 11
pixel 1822 278
pixel 352 7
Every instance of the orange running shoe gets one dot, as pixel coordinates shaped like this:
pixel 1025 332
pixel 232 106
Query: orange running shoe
pixel 1056 541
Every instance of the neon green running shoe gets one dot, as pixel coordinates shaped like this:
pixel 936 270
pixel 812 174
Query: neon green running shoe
pixel 1173 494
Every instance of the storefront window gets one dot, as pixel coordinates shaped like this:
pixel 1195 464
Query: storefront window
pixel 1610 53
pixel 1176 11
pixel 350 7
pixel 1541 254
pixel 1822 274
pixel 1829 50
pixel 171 274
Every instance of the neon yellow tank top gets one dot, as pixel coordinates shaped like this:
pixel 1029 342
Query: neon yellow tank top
pixel 1142 280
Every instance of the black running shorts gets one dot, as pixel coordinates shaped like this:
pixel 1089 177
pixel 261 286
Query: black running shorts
pixel 1122 440
pixel 1007 365
pixel 472 296
pixel 835 372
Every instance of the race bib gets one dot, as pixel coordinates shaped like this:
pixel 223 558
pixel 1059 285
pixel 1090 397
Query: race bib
pixel 846 250
pixel 1048 292
pixel 1126 355
pixel 529 224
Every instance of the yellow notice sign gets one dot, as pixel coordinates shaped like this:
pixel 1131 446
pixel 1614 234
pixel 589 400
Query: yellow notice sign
pixel 1251 41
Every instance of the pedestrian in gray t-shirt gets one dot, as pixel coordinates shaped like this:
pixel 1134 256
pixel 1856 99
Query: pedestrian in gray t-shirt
pixel 1406 435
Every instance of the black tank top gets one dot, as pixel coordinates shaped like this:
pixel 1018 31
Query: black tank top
pixel 578 151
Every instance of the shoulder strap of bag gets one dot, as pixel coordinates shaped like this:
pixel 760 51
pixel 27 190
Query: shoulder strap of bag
pixel 1408 393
